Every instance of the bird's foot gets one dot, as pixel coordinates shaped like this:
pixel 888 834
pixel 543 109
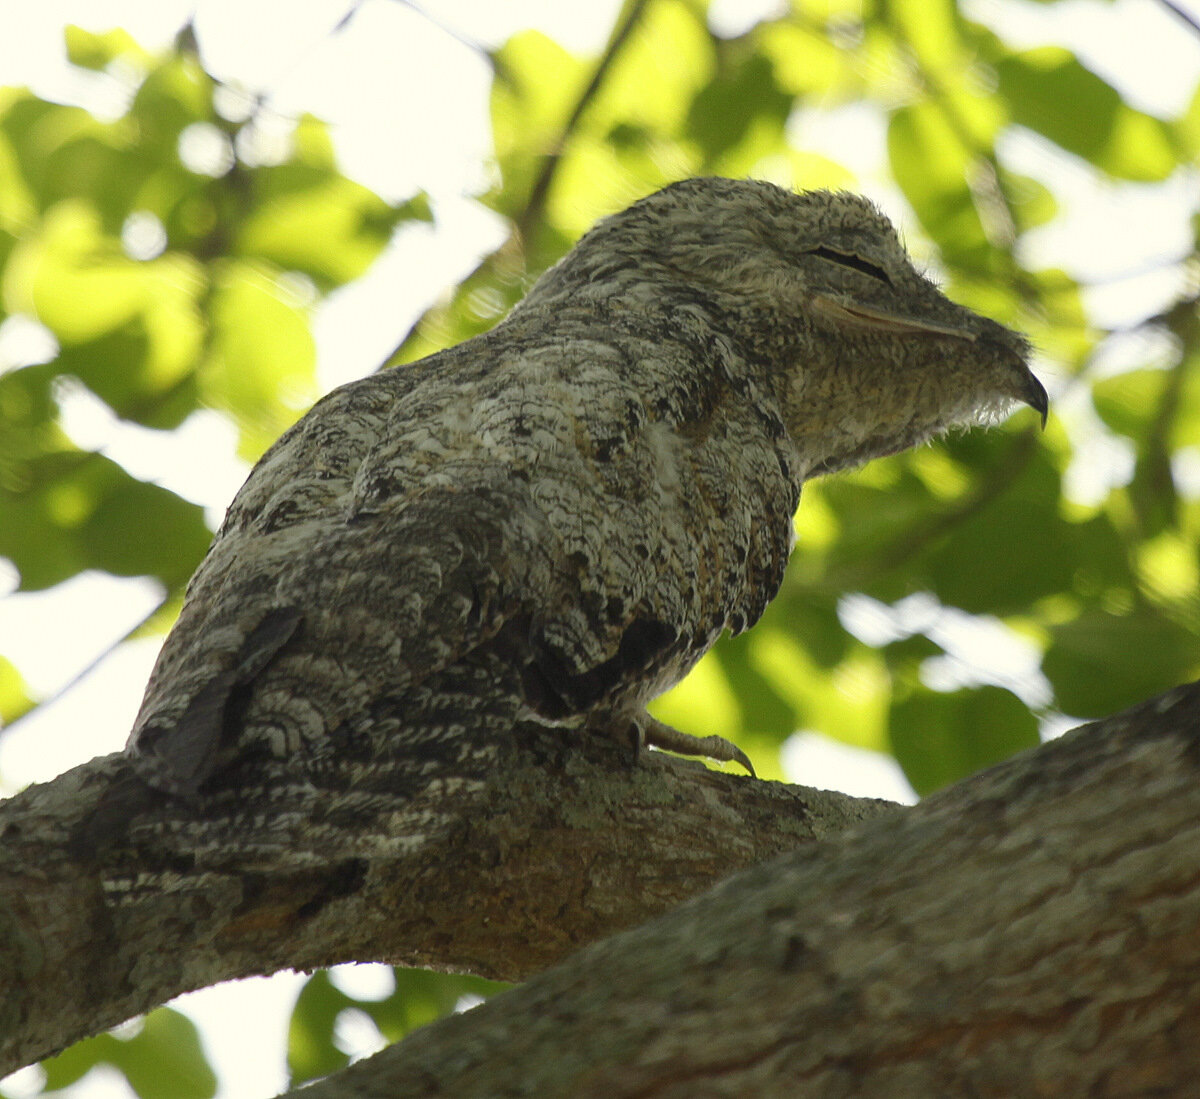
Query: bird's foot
pixel 649 731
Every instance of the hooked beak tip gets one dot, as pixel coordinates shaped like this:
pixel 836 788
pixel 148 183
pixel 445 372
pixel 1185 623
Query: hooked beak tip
pixel 1035 396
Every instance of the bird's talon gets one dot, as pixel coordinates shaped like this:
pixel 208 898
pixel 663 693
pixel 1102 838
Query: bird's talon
pixel 658 735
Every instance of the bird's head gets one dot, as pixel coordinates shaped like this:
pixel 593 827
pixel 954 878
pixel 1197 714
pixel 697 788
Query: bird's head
pixel 865 355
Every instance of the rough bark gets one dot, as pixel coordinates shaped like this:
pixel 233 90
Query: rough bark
pixel 561 847
pixel 1034 931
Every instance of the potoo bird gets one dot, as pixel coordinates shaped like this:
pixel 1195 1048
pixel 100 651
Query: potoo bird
pixel 552 522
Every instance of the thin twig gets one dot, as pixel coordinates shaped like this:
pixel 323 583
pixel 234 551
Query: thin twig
pixel 1187 17
pixel 449 31
pixel 541 187
pixel 87 669
pixel 535 204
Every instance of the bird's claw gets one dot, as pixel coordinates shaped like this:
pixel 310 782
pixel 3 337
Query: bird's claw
pixel 649 731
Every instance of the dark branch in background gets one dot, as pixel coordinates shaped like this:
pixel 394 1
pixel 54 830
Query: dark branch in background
pixel 1187 18
pixel 524 223
pixel 90 666
pixel 445 28
pixel 538 194
pixel 990 197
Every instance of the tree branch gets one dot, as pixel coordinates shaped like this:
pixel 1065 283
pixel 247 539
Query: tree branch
pixel 1034 930
pixel 540 191
pixel 1183 16
pixel 562 845
pixel 524 223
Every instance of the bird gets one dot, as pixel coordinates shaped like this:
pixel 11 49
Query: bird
pixel 553 521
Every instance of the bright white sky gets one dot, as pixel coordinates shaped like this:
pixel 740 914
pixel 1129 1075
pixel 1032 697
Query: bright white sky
pixel 394 82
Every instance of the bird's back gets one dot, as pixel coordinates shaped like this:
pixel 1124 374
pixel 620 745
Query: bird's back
pixel 583 500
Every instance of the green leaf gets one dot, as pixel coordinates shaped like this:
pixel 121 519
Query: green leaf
pixel 1102 662
pixel 64 153
pixel 867 510
pixel 131 331
pixel 18 204
pixel 905 656
pixel 308 217
pixel 478 302
pixel 653 87
pixel 32 535
pixel 331 230
pixel 70 510
pixel 1129 402
pixel 15 699
pixel 89 50
pixel 311 1052
pixel 941 738
pixel 798 668
pixel 930 29
pixel 176 93
pixel 1015 548
pixel 166 1060
pixel 140 529
pixel 932 165
pixel 810 613
pixel 73 276
pixel 536 84
pixel 312 145
pixel 262 353
pixel 649 92
pixel 846 701
pixel 725 111
pixel 1187 130
pixel 162 1060
pixel 805 59
pixel 419 998
pixel 1049 91
pixel 1030 202
pixel 765 709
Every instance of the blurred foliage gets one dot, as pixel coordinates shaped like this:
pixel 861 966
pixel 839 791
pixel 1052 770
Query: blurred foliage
pixel 419 997
pixel 177 265
pixel 160 1056
pixel 172 274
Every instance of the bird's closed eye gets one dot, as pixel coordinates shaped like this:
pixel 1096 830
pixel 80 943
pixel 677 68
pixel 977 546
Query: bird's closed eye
pixel 848 259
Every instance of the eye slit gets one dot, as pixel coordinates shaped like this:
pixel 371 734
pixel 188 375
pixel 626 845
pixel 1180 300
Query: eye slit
pixel 848 260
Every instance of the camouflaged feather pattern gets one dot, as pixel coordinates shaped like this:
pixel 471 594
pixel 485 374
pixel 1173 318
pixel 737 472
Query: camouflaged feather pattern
pixel 584 497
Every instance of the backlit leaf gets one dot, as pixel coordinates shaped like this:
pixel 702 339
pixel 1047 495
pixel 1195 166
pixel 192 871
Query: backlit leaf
pixel 1102 662
pixel 1050 91
pixel 941 738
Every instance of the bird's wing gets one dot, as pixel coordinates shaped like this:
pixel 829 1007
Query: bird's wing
pixel 257 592
pixel 522 497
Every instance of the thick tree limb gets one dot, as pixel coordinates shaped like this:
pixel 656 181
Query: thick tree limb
pixel 561 846
pixel 1033 931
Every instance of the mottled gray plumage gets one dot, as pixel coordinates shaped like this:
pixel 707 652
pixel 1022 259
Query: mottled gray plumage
pixel 555 520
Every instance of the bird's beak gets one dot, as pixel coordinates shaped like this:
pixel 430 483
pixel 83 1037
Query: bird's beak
pixel 866 316
pixel 1030 391
pixel 1034 395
